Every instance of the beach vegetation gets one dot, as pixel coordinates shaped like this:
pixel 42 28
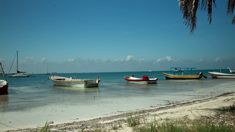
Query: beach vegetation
pixel 181 126
pixel 230 109
pixel 45 128
pixel 133 121
pixel 116 126
pixel 99 130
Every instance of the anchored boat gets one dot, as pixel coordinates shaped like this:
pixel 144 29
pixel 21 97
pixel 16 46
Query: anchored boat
pixel 3 87
pixel 3 83
pixel 18 74
pixel 222 75
pixel 71 82
pixel 231 70
pixel 183 77
pixel 179 74
pixel 143 80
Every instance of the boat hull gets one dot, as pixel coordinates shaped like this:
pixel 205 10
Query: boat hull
pixel 221 75
pixel 182 77
pixel 141 80
pixel 19 75
pixel 69 82
pixel 3 87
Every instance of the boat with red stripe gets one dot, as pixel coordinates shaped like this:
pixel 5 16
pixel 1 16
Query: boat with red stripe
pixel 143 80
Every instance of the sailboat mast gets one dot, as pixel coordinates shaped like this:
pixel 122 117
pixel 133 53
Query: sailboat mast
pixel 17 61
pixel 3 73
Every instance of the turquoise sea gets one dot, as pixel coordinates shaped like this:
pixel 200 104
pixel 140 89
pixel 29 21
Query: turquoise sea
pixel 33 101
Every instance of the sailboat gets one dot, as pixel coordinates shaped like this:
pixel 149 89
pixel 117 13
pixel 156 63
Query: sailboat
pixel 18 73
pixel 3 83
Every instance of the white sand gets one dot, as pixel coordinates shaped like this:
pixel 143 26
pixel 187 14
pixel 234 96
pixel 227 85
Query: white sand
pixel 193 110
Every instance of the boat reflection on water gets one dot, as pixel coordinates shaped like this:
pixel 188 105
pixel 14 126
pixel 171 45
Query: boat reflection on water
pixel 3 99
pixel 76 89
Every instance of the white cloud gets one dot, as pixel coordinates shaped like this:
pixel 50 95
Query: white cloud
pixel 29 59
pixel 165 59
pixel 71 60
pixel 2 60
pixel 218 59
pixel 43 60
pixel 201 60
pixel 129 58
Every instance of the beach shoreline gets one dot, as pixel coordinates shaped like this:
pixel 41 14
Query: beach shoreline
pixel 191 109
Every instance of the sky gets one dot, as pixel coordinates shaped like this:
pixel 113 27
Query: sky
pixel 111 36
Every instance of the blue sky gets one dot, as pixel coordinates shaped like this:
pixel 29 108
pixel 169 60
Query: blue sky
pixel 111 35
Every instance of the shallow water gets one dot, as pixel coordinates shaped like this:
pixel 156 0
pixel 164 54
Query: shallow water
pixel 34 101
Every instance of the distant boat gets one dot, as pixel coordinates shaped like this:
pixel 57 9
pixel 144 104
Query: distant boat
pixel 18 73
pixel 142 80
pixel 231 70
pixel 222 75
pixel 71 82
pixel 183 77
pixel 3 83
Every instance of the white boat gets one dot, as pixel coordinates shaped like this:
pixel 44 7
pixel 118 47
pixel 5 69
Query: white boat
pixel 222 75
pixel 231 70
pixel 3 83
pixel 18 73
pixel 71 82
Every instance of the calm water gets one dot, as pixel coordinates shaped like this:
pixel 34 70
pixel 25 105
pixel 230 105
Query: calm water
pixel 30 97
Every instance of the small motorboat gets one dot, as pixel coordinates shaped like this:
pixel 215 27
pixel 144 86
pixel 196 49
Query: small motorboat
pixel 231 70
pixel 3 87
pixel 179 74
pixel 222 75
pixel 183 77
pixel 71 82
pixel 3 83
pixel 143 80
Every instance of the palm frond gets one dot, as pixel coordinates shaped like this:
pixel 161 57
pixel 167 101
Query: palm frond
pixel 231 5
pixel 194 14
pixel 189 10
pixel 233 21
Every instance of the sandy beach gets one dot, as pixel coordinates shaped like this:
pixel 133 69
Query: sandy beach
pixel 191 110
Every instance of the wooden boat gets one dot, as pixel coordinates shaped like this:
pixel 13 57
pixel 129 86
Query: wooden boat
pixel 71 82
pixel 3 83
pixel 222 75
pixel 143 80
pixel 18 74
pixel 183 77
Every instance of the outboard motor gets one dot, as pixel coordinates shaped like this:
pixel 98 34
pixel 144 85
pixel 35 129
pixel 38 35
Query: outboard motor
pixel 201 74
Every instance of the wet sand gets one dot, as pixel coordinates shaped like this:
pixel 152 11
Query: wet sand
pixel 191 109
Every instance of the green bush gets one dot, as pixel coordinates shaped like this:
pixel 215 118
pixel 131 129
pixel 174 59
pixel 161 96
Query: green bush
pixel 45 128
pixel 133 121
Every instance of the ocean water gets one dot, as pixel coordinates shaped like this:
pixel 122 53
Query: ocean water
pixel 33 101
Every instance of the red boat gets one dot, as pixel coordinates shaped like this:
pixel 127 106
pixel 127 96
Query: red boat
pixel 3 83
pixel 143 80
pixel 3 87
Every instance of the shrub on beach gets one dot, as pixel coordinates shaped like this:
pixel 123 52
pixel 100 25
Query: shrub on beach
pixel 230 109
pixel 45 128
pixel 180 126
pixel 133 121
